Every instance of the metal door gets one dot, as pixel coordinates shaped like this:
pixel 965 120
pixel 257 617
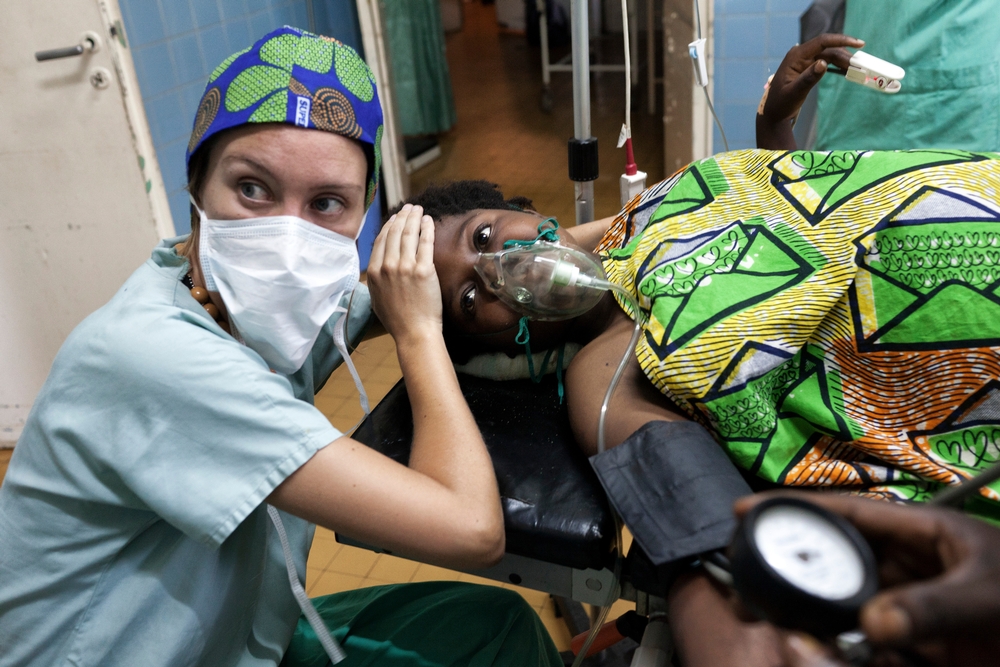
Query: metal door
pixel 82 202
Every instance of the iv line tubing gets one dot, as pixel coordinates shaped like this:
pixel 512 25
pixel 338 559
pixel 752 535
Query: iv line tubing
pixel 619 547
pixel 718 122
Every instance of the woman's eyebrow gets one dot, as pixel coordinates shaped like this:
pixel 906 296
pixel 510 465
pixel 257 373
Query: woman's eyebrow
pixel 250 162
pixel 340 186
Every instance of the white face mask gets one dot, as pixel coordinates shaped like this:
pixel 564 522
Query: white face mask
pixel 281 279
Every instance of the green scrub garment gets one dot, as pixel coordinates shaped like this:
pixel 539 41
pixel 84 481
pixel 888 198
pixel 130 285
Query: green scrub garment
pixel 432 624
pixel 951 93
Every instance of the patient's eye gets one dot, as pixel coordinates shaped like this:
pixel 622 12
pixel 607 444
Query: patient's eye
pixel 482 236
pixel 468 301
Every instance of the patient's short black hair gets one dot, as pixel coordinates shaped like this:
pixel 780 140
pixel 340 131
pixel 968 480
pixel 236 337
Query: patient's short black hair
pixel 460 197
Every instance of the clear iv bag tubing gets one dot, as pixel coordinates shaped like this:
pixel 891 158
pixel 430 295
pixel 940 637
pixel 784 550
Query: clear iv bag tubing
pixel 621 366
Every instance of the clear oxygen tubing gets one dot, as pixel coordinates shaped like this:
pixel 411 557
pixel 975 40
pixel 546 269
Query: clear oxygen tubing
pixel 619 546
pixel 711 107
pixel 636 331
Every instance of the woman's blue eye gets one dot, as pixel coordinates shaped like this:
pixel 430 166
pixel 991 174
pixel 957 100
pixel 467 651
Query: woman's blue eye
pixel 251 191
pixel 327 205
pixel 482 236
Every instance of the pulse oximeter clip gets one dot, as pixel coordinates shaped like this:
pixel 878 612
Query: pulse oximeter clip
pixel 874 73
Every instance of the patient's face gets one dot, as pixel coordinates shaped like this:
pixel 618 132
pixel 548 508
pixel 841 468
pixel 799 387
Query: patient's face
pixel 470 309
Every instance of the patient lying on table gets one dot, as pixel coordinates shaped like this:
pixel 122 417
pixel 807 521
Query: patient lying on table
pixel 832 319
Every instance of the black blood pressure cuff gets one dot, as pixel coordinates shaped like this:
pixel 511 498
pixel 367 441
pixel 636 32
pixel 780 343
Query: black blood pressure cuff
pixel 674 488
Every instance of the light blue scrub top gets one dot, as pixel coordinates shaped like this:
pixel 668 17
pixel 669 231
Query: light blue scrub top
pixel 133 529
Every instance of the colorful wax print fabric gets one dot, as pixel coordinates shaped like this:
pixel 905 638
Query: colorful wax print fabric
pixel 832 317
pixel 294 77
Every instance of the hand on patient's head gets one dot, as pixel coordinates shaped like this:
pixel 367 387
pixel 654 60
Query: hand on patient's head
pixel 406 295
pixel 802 68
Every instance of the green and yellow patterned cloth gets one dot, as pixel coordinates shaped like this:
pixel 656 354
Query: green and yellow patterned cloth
pixel 294 77
pixel 832 317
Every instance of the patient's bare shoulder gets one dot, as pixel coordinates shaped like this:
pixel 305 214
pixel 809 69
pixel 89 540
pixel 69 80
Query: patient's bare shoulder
pixel 635 403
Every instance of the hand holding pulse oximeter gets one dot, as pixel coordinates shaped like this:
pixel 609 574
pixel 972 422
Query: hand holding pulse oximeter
pixel 871 72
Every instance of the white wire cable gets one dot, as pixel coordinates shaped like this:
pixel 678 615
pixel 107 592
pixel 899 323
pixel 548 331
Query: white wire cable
pixel 330 645
pixel 711 107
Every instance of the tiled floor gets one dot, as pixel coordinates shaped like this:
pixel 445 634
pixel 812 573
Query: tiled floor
pixel 4 460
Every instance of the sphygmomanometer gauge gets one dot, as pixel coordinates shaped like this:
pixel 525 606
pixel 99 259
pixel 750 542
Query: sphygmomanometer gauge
pixel 802 567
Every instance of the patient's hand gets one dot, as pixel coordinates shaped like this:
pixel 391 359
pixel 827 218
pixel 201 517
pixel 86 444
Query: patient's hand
pixel 709 632
pixel 804 65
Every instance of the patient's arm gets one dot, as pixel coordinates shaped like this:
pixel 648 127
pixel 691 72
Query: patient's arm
pixel 706 628
pixel 589 234
pixel 636 401
pixel 802 68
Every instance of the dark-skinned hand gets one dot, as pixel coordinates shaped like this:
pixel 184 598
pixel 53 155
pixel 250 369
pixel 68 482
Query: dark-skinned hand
pixel 939 578
pixel 802 68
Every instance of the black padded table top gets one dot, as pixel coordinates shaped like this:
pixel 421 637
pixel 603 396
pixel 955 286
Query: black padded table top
pixel 554 507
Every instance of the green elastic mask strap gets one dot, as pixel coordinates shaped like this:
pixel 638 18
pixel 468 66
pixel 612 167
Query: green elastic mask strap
pixel 524 338
pixel 559 373
pixel 546 232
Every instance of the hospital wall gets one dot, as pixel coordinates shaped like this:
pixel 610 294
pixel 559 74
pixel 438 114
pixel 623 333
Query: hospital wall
pixel 177 43
pixel 751 37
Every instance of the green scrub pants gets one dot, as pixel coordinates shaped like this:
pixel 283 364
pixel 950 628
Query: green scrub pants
pixel 432 624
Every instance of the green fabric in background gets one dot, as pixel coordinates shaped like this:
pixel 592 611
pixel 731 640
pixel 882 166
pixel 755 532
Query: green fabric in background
pixel 951 93
pixel 422 84
pixel 430 624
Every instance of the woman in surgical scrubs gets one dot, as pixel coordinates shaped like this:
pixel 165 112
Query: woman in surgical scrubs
pixel 134 519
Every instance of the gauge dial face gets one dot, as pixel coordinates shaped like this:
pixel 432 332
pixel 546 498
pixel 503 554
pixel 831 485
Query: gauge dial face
pixel 809 552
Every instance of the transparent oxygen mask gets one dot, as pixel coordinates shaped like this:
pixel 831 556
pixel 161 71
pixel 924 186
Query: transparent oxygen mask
pixel 544 280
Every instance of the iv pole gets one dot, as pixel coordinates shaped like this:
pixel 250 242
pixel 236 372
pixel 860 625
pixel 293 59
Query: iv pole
pixel 583 166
